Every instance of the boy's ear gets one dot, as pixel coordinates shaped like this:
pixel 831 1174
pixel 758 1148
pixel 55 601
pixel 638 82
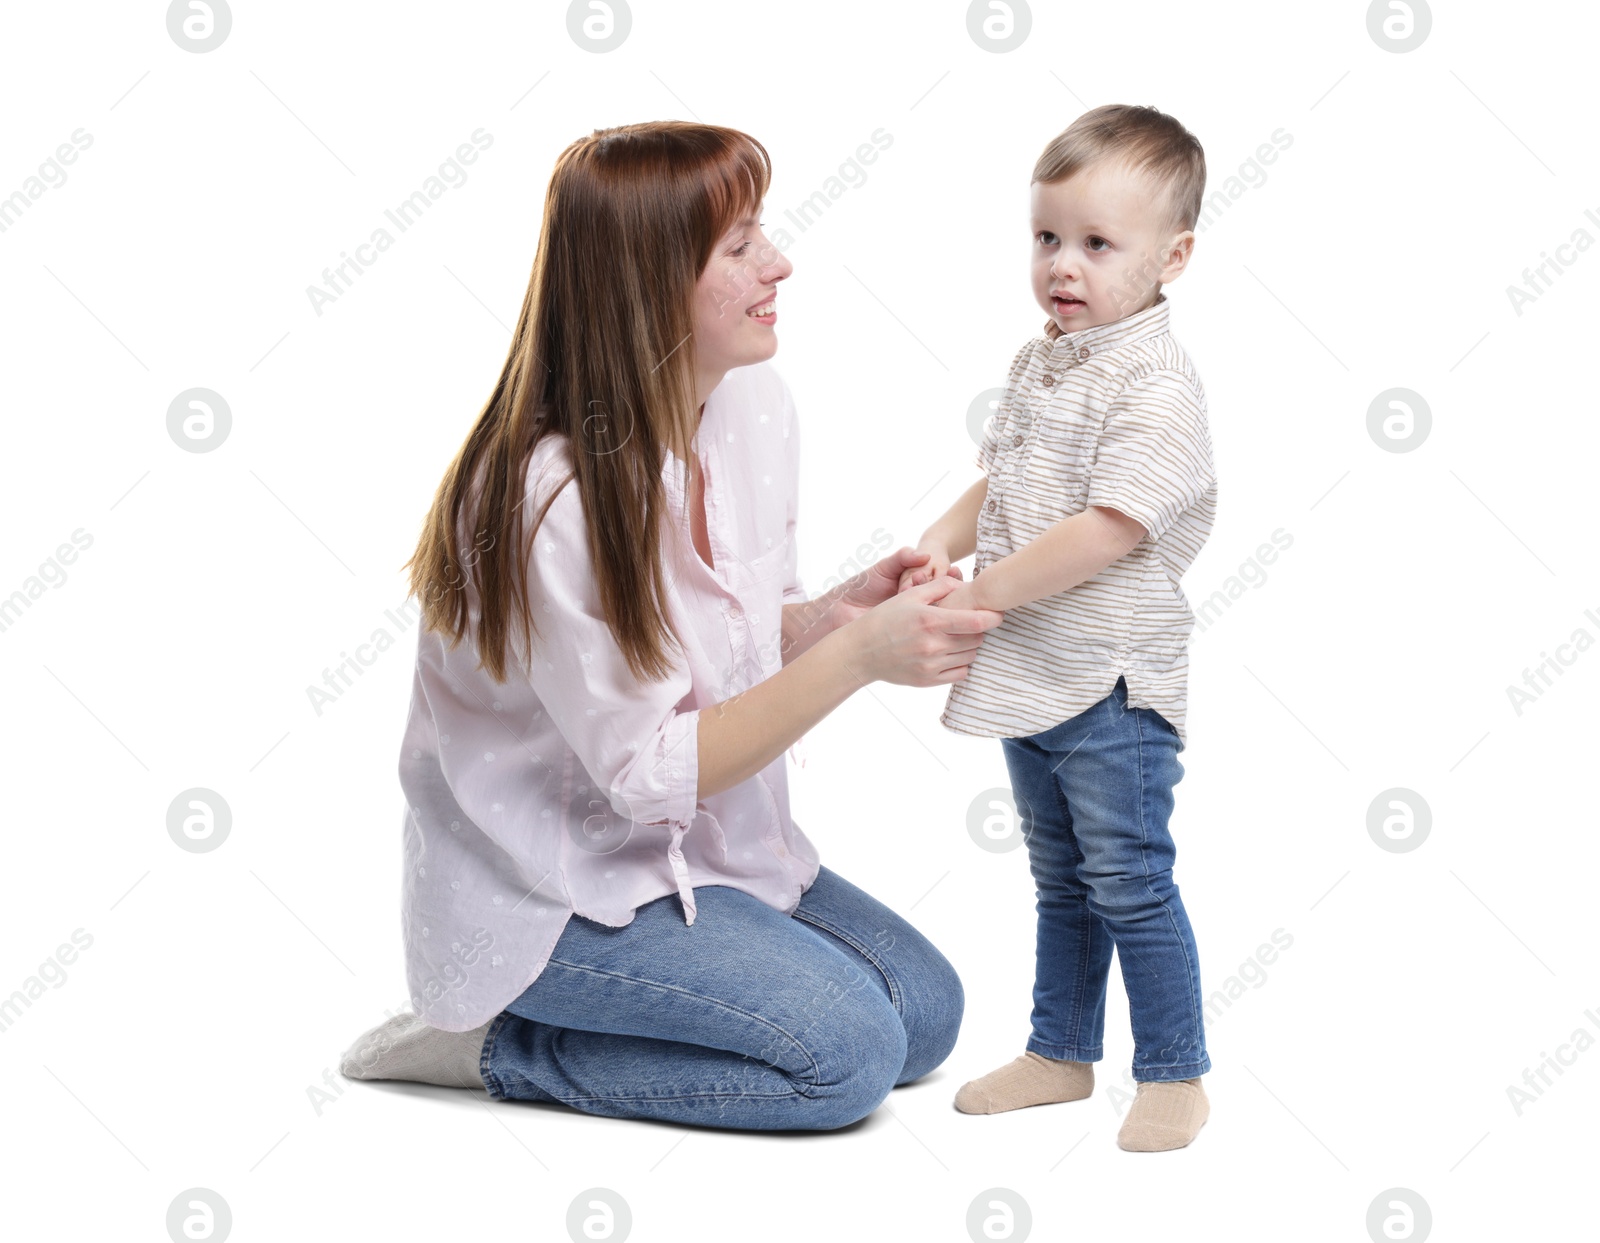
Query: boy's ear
pixel 1178 252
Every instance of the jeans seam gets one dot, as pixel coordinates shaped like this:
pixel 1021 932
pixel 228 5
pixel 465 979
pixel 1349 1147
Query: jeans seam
pixel 491 1081
pixel 1189 1070
pixel 896 995
pixel 684 1096
pixel 1083 961
pixel 811 1061
pixel 1140 725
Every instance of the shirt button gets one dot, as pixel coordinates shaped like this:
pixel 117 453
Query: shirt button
pixel 1083 352
pixel 990 504
pixel 1048 380
pixel 1016 440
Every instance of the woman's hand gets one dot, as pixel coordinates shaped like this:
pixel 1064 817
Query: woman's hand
pixel 909 640
pixel 935 563
pixel 872 587
pixel 964 596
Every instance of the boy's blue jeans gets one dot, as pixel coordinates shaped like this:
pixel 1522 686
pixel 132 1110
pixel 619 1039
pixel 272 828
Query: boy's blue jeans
pixel 1094 794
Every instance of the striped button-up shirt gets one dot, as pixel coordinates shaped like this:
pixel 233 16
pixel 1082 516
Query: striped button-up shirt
pixel 1112 415
pixel 574 790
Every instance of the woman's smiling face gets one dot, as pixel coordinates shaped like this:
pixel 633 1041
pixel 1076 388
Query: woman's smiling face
pixel 741 276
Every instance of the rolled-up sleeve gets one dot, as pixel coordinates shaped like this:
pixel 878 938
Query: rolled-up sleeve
pixel 1153 459
pixel 633 737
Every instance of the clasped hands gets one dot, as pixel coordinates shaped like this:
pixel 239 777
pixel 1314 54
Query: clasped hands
pixel 937 564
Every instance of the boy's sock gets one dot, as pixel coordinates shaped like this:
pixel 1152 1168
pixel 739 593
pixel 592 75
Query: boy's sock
pixel 404 1047
pixel 1164 1115
pixel 1031 1079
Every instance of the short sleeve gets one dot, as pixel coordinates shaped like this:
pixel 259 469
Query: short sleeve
pixel 1153 459
pixel 794 591
pixel 632 737
pixel 989 443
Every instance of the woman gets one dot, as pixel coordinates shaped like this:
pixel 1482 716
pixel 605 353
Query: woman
pixel 606 903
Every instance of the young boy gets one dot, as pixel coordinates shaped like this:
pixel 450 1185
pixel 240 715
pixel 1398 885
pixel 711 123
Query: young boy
pixel 1098 492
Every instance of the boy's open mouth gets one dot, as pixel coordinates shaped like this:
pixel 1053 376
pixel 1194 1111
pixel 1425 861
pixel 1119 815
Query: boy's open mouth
pixel 1066 304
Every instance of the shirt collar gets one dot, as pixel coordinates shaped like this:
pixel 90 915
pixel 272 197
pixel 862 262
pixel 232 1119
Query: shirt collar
pixel 1154 319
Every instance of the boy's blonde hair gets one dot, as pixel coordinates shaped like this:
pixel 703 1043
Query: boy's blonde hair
pixel 1144 140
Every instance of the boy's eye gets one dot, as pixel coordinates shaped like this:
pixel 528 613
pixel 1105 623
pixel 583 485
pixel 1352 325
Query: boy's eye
pixel 1095 239
pixel 1044 236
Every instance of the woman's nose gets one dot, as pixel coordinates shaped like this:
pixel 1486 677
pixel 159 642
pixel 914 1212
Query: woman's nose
pixel 777 269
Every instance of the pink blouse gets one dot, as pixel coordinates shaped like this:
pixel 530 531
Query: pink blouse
pixel 574 791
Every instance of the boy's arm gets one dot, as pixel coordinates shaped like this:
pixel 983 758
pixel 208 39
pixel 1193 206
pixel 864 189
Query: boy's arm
pixel 1152 462
pixel 1074 549
pixel 956 530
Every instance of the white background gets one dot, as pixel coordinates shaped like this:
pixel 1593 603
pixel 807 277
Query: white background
pixel 181 1048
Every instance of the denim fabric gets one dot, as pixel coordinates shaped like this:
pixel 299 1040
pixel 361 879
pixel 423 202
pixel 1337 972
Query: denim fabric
pixel 748 1018
pixel 1094 794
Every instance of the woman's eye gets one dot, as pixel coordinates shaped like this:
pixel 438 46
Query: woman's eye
pixel 742 249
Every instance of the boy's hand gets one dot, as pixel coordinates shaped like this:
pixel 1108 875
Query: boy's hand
pixel 937 565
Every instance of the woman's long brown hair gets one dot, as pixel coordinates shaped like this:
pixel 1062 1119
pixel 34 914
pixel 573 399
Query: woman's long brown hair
pixel 603 355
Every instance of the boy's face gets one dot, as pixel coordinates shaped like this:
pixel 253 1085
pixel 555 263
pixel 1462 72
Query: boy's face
pixel 1098 239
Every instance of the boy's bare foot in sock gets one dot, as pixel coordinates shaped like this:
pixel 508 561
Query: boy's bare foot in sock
pixel 1164 1116
pixel 1031 1079
pixel 404 1047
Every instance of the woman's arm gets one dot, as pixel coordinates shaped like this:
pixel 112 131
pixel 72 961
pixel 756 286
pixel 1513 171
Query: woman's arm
pixel 807 621
pixel 810 620
pixel 740 736
pixel 906 639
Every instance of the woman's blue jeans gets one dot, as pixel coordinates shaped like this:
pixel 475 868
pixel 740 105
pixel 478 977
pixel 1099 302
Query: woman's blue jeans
pixel 748 1018
pixel 1094 794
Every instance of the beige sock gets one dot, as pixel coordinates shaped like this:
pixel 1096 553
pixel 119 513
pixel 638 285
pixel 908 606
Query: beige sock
pixel 1028 1080
pixel 404 1047
pixel 1164 1115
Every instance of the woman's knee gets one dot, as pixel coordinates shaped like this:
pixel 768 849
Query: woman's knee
pixel 932 1004
pixel 857 1050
